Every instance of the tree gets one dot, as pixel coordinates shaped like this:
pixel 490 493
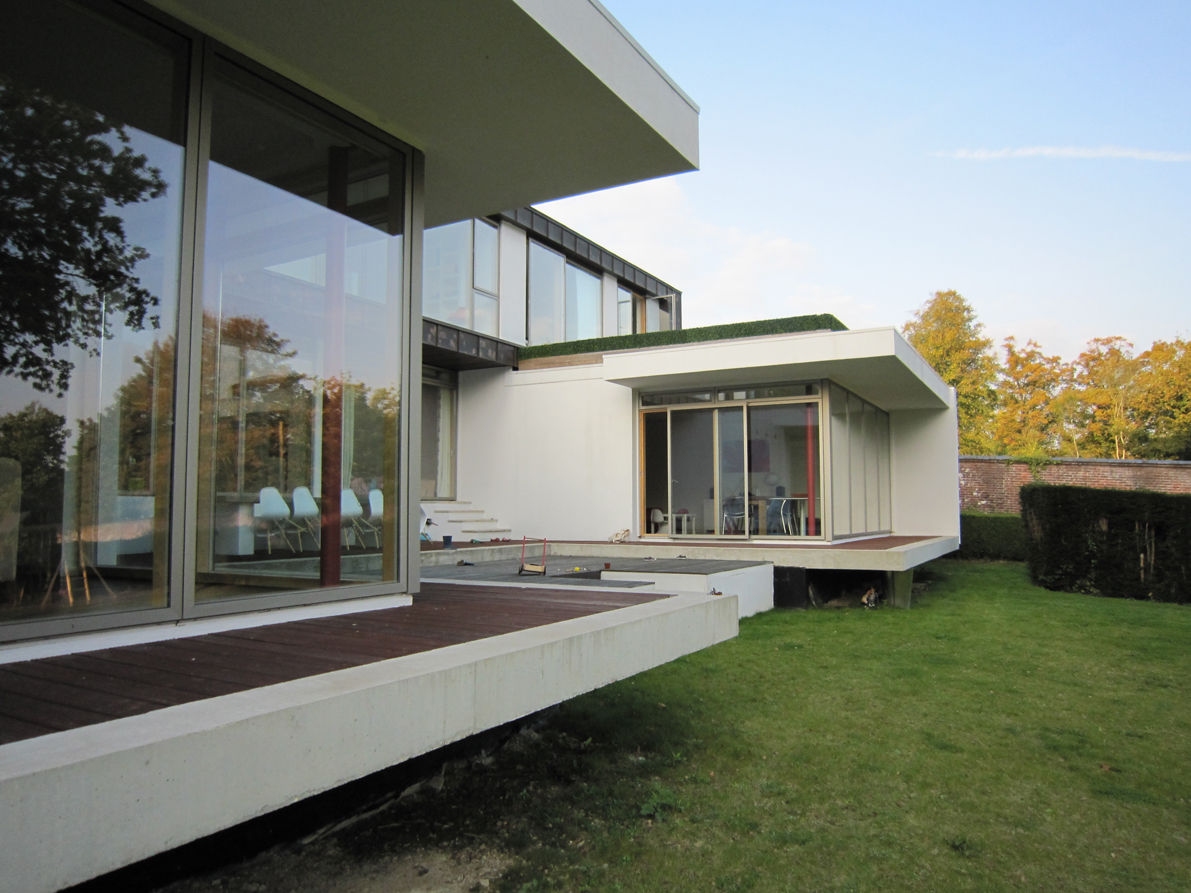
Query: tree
pixel 1027 421
pixel 1105 374
pixel 1163 401
pixel 945 331
pixel 36 438
pixel 66 266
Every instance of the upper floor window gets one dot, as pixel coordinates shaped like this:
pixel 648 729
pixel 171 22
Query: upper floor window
pixel 655 315
pixel 461 274
pixel 624 311
pixel 564 299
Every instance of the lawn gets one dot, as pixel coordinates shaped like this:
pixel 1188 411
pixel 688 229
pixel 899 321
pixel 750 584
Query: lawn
pixel 996 736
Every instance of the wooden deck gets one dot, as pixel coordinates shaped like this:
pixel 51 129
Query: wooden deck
pixel 58 693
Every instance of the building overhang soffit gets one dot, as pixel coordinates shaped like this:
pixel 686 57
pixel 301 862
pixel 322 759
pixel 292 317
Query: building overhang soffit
pixel 512 101
pixel 878 365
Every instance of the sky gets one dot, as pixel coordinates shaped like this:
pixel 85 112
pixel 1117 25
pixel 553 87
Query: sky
pixel 857 157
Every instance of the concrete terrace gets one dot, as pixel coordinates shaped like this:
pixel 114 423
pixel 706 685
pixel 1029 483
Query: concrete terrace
pixel 113 754
pixel 878 553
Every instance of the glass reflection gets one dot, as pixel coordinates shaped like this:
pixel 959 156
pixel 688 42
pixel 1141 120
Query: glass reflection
pixel 300 365
pixel 90 210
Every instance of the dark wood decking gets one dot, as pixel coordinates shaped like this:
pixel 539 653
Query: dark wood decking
pixel 58 693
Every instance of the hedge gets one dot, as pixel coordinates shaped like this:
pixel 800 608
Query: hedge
pixel 1124 543
pixel 1001 537
pixel 783 326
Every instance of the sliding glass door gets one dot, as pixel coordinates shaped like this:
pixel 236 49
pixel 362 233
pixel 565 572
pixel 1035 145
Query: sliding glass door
pixel 784 489
pixel 740 470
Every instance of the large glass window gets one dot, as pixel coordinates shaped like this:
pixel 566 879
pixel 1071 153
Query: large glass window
pixel 784 489
pixel 624 311
pixel 91 174
pixel 446 269
pixel 747 469
pixel 300 356
pixel 564 299
pixel 461 275
pixel 274 351
pixel 655 315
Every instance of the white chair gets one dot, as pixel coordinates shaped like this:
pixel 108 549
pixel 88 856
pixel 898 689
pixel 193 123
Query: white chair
pixel 736 515
pixel 350 513
pixel 272 512
pixel 376 512
pixel 306 517
pixel 658 518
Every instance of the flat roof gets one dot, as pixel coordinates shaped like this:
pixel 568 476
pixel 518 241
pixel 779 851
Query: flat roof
pixel 513 101
pixel 877 364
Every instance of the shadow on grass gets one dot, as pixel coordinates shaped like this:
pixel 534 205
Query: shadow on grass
pixel 567 774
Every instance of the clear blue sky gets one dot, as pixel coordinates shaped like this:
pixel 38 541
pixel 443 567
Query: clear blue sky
pixel 856 157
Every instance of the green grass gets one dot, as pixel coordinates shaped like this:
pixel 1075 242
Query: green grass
pixel 996 736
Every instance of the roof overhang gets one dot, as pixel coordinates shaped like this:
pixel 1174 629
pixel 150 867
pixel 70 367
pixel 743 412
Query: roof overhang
pixel 512 101
pixel 876 364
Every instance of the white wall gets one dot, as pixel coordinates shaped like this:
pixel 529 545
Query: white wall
pixel 925 471
pixel 513 261
pixel 548 452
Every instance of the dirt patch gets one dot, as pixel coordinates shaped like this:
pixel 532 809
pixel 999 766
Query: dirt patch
pixel 326 866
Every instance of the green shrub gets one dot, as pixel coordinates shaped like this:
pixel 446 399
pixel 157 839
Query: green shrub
pixel 1001 537
pixel 1122 543
pixel 782 326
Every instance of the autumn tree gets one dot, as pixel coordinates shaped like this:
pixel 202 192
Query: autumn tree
pixel 949 337
pixel 1105 374
pixel 1027 421
pixel 1163 400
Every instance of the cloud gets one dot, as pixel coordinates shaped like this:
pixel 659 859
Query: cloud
pixel 1083 152
pixel 726 273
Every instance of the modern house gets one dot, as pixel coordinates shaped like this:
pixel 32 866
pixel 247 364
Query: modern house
pixel 264 314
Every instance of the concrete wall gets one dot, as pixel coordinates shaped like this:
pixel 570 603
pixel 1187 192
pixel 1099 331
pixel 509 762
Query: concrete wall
pixel 549 452
pixel 992 483
pixel 924 462
pixel 752 586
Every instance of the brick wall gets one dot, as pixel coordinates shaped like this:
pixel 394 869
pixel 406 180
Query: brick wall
pixel 992 483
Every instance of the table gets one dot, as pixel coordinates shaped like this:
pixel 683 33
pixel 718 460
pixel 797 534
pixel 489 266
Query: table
pixel 682 522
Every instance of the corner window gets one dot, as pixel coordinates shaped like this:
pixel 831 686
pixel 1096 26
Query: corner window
pixel 461 275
